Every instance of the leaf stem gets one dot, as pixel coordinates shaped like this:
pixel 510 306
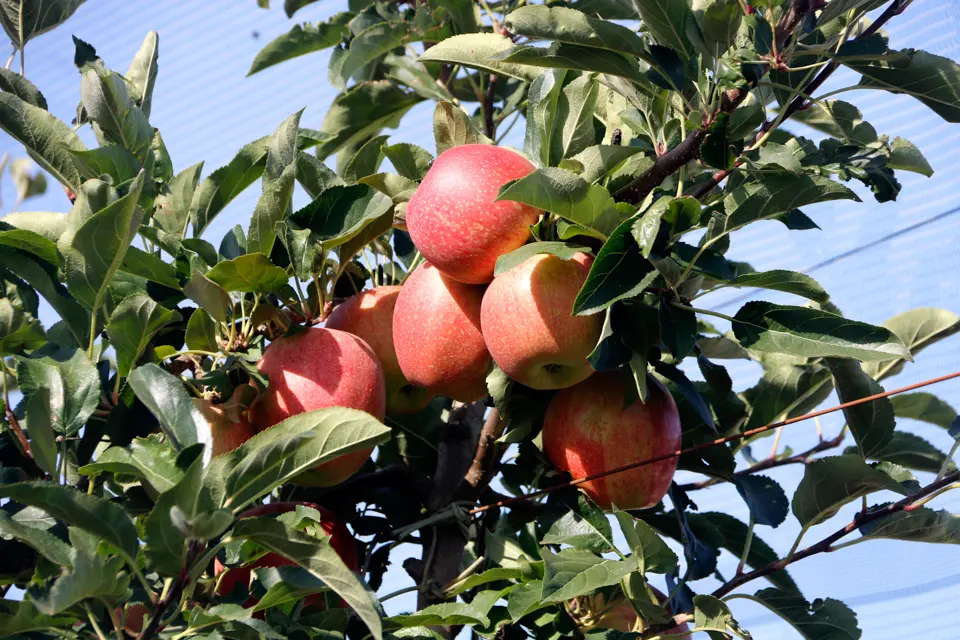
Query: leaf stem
pixel 93 622
pixel 746 545
pixel 114 619
pixel 705 312
pixel 946 463
pixel 399 592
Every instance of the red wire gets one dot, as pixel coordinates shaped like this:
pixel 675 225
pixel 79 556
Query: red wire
pixel 704 445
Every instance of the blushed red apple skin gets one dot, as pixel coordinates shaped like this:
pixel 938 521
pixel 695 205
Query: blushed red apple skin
pixel 454 220
pixel 316 369
pixel 527 322
pixel 340 539
pixel 369 316
pixel 587 430
pixel 225 435
pixel 436 331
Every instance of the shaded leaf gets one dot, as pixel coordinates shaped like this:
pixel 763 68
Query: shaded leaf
pixel 920 525
pixel 12 82
pixel 782 280
pixel 164 395
pixel 620 271
pixel 452 128
pixel 765 498
pixel 925 407
pixel 777 193
pixel 829 483
pixel 46 138
pixel 931 79
pixel 341 212
pixel 872 423
pixel 573 572
pixel 209 295
pixel 917 329
pixel 827 619
pixel 69 378
pixel 132 325
pixel 147 458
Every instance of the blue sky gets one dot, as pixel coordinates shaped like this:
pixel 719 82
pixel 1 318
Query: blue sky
pixel 206 109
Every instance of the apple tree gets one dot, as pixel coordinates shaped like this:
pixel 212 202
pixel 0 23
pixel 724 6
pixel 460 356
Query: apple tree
pixel 493 356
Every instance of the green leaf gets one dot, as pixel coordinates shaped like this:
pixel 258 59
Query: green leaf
pixel 445 613
pixel 911 452
pixel 490 575
pixel 21 616
pixel 719 21
pixel 872 423
pixel 149 267
pixel 574 27
pixel 132 325
pixel 301 40
pixel 209 295
pixel 786 390
pixel 541 118
pixel 365 161
pixel 667 22
pixel 142 72
pixel 678 329
pixel 32 243
pixel 319 558
pixel 217 190
pixel 838 119
pixel 808 332
pixel 43 444
pixel 25 20
pixel 919 525
pixel 148 458
pixel 925 407
pixel 560 55
pixel 452 128
pixel 573 572
pixel 566 194
pixel 476 50
pixel 70 379
pixel 414 74
pixel 652 553
pixel 342 212
pixel 620 271
pixel 279 175
pixel 250 273
pixel 829 483
pixel 712 614
pixel 905 156
pixel 201 332
pixel 18 330
pixel 410 161
pixel 918 329
pixel 515 258
pixel 524 599
pixel 74 316
pixel 292 447
pixel 826 619
pixel 118 120
pixel 47 139
pixel 599 161
pixel 166 544
pixel 113 160
pixel 578 532
pixel 368 45
pixel 93 252
pixel 287 584
pixel 105 519
pixel 931 79
pixel 172 211
pixel 46 544
pixel 765 498
pixel 91 577
pixel 164 395
pixel 12 82
pixel 777 193
pixel 782 280
pixel 314 176
pixel 362 111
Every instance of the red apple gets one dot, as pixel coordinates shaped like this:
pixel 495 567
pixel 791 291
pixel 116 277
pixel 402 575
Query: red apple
pixel 369 316
pixel 340 539
pixel 436 330
pixel 225 434
pixel 453 217
pixel 528 326
pixel 316 369
pixel 593 612
pixel 587 430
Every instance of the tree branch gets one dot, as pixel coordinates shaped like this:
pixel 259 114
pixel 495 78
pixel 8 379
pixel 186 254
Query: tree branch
pixel 770 463
pixel 489 125
pixel 689 149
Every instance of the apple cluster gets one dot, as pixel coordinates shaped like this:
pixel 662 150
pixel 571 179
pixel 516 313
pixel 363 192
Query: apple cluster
pixel 391 349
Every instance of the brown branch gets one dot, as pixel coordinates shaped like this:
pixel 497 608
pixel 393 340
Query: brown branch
pixel 155 625
pixel 770 463
pixel 825 545
pixel 15 424
pixel 489 125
